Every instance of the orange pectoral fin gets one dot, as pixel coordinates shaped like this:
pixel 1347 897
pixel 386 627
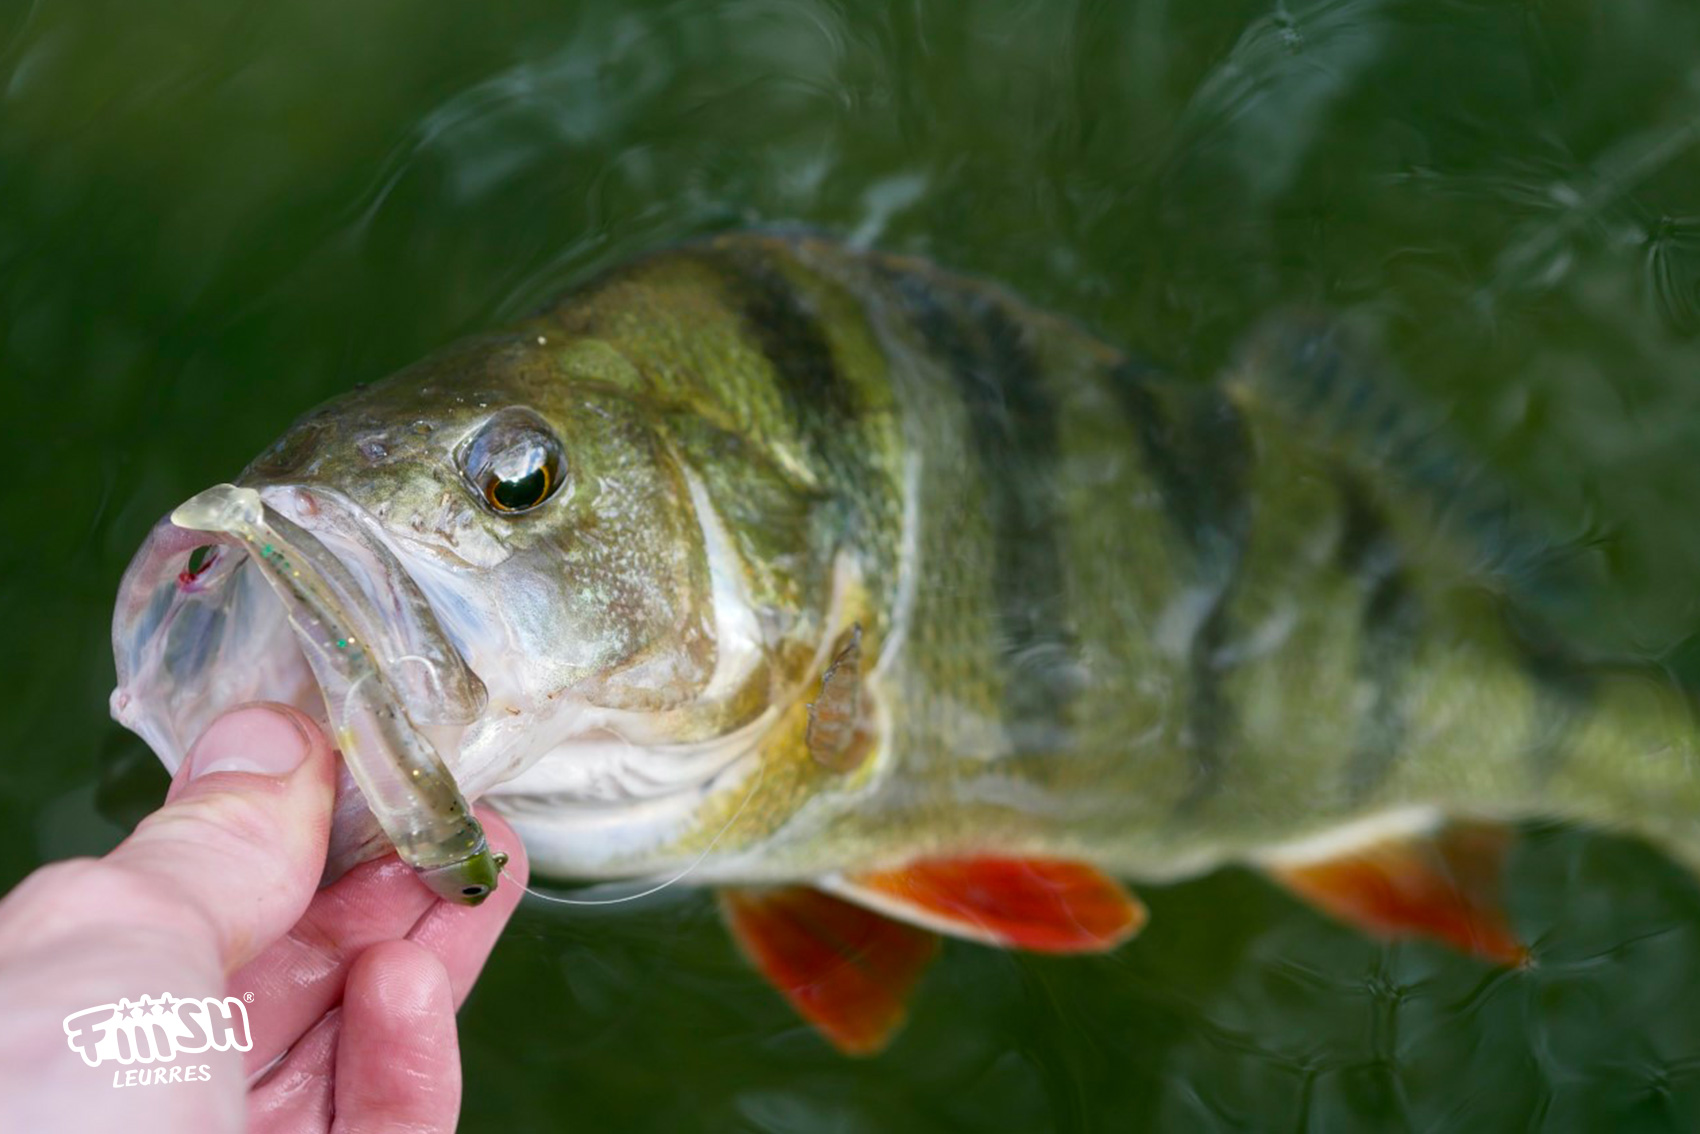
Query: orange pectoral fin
pixel 845 969
pixel 1445 886
pixel 1045 905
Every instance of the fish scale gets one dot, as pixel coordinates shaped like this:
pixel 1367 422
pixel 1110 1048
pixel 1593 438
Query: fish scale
pixel 1182 526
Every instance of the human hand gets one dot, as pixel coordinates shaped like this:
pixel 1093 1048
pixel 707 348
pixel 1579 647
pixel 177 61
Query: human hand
pixel 350 991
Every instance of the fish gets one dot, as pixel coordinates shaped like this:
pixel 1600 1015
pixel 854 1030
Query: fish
pixel 894 608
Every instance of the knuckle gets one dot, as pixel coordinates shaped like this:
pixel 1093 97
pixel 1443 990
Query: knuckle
pixel 221 821
pixel 320 948
pixel 96 884
pixel 47 886
pixel 164 909
pixel 66 900
pixel 70 872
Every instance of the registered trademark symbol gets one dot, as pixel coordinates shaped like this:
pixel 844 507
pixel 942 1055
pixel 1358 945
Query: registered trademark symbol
pixel 247 997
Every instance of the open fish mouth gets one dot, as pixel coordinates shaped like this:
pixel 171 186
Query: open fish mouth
pixel 202 625
pixel 197 630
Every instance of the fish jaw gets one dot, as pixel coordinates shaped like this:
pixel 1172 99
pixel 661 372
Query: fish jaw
pixel 196 633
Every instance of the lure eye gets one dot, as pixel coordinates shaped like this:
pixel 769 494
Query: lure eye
pixel 514 463
pixel 475 891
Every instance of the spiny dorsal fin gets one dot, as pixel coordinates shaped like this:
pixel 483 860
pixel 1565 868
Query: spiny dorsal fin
pixel 1326 382
pixel 1044 905
pixel 846 970
pixel 1444 886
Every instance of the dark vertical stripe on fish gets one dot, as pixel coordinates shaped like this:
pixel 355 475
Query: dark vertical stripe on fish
pixel 1390 619
pixel 1012 422
pixel 818 398
pixel 1208 710
pixel 1195 445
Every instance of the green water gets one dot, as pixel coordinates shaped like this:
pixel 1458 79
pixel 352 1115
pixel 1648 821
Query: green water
pixel 213 215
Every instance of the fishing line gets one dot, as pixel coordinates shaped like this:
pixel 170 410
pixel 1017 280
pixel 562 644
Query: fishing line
pixel 761 770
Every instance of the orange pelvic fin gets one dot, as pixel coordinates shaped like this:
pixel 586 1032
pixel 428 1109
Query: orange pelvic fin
pixel 847 970
pixel 1042 904
pixel 1444 886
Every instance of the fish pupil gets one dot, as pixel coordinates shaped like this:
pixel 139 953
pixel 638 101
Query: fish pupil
pixel 526 492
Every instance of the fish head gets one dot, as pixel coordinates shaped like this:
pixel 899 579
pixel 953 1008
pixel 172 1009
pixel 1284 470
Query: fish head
pixel 532 569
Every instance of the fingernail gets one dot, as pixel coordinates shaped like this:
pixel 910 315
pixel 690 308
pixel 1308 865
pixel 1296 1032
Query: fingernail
pixel 249 739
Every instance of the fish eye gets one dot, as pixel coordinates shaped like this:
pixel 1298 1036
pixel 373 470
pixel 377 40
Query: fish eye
pixel 514 463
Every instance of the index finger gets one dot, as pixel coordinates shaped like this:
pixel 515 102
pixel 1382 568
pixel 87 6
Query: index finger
pixel 301 976
pixel 236 852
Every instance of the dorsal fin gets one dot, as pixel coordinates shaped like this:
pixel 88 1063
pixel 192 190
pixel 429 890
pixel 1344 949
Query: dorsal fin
pixel 1045 905
pixel 1444 886
pixel 1322 378
pixel 847 970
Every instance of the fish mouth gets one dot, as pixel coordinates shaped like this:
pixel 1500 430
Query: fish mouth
pixel 197 630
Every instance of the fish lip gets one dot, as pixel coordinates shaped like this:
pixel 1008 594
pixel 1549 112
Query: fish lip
pixel 169 706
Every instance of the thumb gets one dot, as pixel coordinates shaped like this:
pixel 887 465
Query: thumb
pixel 240 842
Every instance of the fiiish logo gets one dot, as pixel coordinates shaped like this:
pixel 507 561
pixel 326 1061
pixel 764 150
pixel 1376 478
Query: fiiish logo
pixel 153 1030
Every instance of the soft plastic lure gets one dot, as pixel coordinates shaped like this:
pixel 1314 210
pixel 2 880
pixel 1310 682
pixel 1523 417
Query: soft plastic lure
pixel 406 783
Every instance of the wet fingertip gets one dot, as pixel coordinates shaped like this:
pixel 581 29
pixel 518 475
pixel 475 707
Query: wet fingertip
pixel 400 979
pixel 398 1061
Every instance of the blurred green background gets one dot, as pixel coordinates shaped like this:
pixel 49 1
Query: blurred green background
pixel 215 214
